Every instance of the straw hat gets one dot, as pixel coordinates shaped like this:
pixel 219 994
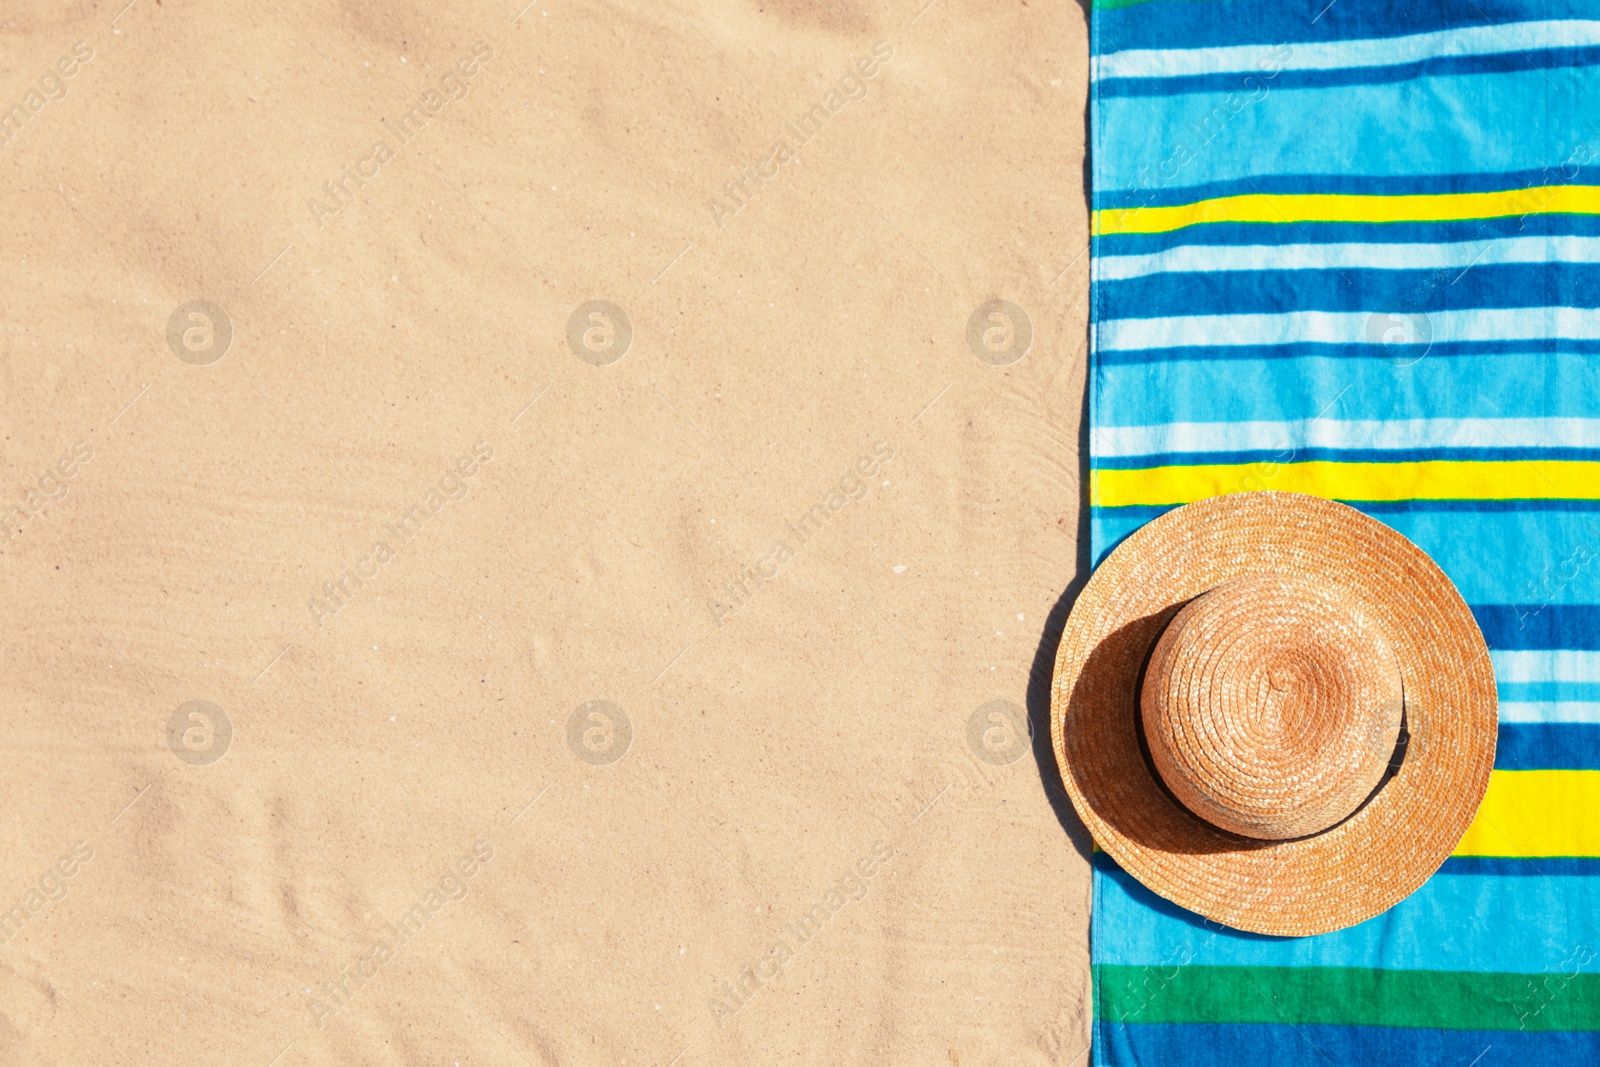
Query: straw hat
pixel 1274 711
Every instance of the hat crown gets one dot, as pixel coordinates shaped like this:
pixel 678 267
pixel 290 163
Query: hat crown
pixel 1271 706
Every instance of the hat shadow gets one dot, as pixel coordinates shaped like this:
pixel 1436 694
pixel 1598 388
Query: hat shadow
pixel 1170 827
pixel 1041 674
pixel 1041 677
pixel 1113 726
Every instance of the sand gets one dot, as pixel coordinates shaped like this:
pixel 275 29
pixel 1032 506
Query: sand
pixel 530 533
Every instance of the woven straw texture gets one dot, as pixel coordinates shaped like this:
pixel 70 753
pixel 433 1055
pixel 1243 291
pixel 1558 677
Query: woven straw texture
pixel 1272 710
pixel 1271 707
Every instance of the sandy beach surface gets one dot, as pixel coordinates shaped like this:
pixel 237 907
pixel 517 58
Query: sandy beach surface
pixel 534 533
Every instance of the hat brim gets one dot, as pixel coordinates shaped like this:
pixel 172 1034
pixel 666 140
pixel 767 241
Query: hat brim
pixel 1365 864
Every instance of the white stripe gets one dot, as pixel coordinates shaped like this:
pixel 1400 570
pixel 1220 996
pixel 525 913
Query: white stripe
pixel 1546 665
pixel 1263 60
pixel 1349 327
pixel 1459 255
pixel 1564 712
pixel 1386 435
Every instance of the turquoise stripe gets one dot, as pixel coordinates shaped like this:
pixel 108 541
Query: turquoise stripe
pixel 1542 538
pixel 1456 540
pixel 1470 124
pixel 1516 386
pixel 1536 922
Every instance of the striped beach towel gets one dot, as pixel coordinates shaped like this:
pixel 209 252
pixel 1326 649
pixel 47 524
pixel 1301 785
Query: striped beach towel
pixel 1352 248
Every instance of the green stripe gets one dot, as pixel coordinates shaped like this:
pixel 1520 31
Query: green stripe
pixel 1351 996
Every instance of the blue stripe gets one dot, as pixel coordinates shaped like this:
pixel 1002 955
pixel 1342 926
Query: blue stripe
pixel 1530 746
pixel 1510 867
pixel 1239 292
pixel 1516 626
pixel 1499 124
pixel 1341 455
pixel 1274 1045
pixel 1229 233
pixel 1217 24
pixel 1317 349
pixel 1463 922
pixel 1438 66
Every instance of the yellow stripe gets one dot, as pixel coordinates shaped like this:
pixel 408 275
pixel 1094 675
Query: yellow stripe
pixel 1347 207
pixel 1423 480
pixel 1537 813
